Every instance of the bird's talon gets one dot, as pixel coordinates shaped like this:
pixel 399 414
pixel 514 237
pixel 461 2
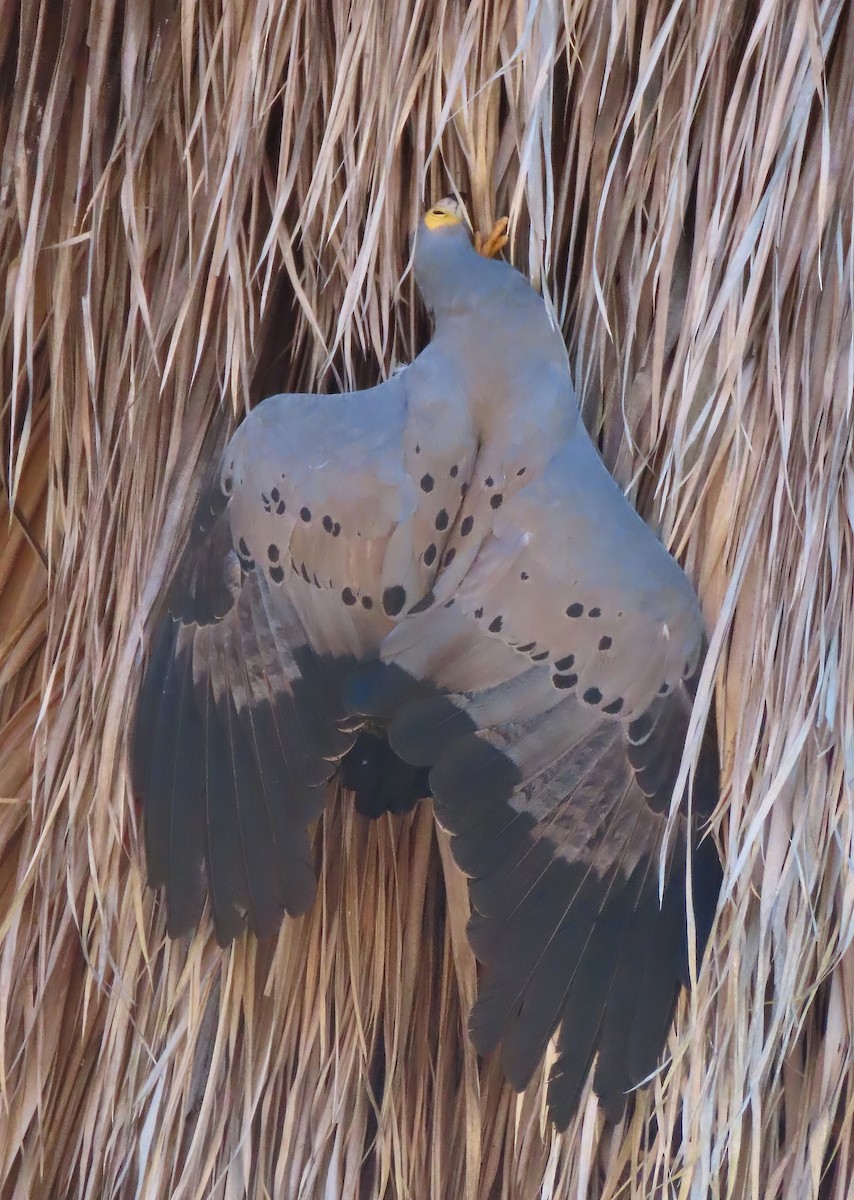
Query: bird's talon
pixel 492 243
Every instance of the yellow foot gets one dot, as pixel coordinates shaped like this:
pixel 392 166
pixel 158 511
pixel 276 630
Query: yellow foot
pixel 492 243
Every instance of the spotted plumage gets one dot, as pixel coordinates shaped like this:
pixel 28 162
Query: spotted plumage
pixel 472 610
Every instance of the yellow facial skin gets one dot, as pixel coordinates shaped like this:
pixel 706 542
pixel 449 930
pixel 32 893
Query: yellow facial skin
pixel 439 216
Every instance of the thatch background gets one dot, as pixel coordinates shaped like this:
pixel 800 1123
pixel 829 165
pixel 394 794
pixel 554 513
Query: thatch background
pixel 203 202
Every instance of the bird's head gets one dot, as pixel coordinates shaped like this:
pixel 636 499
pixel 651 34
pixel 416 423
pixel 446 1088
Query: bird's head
pixel 447 215
pixel 442 245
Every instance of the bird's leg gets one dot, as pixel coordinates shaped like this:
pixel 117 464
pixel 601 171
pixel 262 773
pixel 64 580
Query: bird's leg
pixel 492 243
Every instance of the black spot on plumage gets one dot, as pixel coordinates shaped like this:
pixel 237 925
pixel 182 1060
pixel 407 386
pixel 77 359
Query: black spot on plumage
pixel 575 610
pixel 277 574
pixel 304 572
pixel 541 657
pixel 275 496
pixel 489 481
pixel 478 613
pixel 394 599
pixel 495 625
pixel 348 597
pixel 441 519
pixel 467 526
pixel 464 487
pixel 273 552
pixel 423 604
pixel 280 507
pixel 417 449
pixel 454 471
pixel 592 696
pixel 521 471
pixel 564 664
pixel 243 548
pixel 430 555
pixel 367 602
pixel 449 603
pixel 450 556
pixel 305 513
pixel 564 681
pixel 524 576
pixel 336 529
pixel 605 642
pixel 614 707
pixel 228 484
pixel 526 648
pixel 327 523
pixel 496 501
pixel 594 612
pixel 247 565
pixel 265 500
pixel 427 483
pixel 664 689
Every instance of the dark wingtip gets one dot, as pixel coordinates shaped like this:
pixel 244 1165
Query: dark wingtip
pixel 144 718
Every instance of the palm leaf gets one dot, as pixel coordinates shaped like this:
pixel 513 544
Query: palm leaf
pixel 204 203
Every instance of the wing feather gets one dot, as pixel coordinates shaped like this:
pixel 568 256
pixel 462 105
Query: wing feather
pixel 236 735
pixel 185 821
pixel 557 813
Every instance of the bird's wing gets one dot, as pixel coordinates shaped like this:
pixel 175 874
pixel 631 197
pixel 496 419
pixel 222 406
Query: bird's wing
pixel 320 518
pixel 235 737
pixel 549 691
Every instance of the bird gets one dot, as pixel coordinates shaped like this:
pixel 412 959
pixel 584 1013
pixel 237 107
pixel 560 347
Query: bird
pixel 433 588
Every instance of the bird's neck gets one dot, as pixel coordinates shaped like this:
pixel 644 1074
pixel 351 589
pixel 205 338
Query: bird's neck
pixel 516 380
pixel 455 279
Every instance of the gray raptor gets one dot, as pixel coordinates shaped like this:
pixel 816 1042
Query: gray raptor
pixel 435 587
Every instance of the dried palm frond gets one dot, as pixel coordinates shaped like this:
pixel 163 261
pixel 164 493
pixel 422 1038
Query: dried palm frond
pixel 206 202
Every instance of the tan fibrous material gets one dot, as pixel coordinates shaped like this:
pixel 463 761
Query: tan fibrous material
pixel 203 205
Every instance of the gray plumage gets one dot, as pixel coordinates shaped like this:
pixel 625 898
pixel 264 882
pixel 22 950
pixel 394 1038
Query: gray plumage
pixel 443 563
